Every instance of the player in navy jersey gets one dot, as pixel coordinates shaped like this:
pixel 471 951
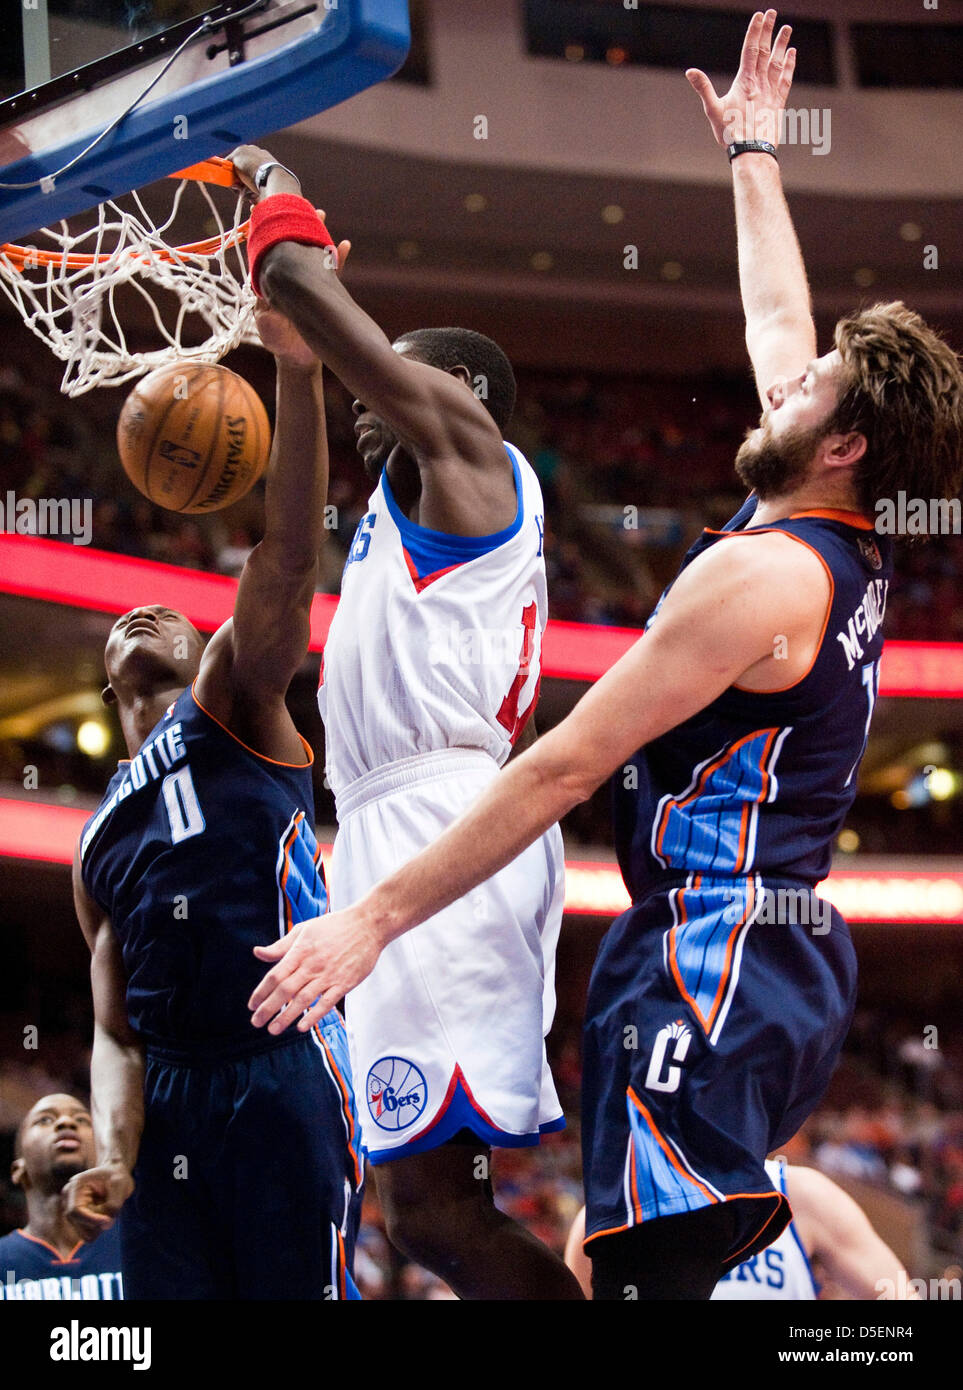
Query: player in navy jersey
pixel 46 1259
pixel 734 729
pixel 245 1181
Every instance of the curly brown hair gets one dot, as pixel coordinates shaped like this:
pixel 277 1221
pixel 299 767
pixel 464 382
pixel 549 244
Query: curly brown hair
pixel 902 389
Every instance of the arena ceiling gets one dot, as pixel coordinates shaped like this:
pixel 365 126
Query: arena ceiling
pixel 421 255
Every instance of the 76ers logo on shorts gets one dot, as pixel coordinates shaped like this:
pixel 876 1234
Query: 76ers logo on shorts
pixel 397 1093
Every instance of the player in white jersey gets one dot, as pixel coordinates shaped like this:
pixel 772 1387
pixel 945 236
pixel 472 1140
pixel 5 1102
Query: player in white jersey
pixel 827 1225
pixel 429 678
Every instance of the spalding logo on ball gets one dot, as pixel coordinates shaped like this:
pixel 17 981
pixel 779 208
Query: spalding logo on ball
pixel 193 437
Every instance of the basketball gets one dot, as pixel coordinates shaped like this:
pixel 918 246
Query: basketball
pixel 193 437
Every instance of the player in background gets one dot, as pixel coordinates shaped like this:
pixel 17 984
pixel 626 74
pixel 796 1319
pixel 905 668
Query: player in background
pixel 237 1167
pixel 735 728
pixel 827 1225
pixel 46 1258
pixel 430 675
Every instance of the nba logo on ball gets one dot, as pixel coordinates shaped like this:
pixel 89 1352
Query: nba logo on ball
pixel 397 1093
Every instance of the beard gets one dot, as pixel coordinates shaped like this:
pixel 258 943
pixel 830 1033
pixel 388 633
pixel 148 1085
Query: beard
pixel 773 467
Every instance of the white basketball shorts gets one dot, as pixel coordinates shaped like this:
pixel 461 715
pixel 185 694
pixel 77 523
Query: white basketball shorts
pixel 448 1031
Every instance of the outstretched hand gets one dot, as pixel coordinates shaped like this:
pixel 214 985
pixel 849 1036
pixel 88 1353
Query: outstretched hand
pixel 750 109
pixel 317 964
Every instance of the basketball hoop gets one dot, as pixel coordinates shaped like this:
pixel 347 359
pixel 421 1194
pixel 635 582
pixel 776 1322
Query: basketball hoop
pixel 66 293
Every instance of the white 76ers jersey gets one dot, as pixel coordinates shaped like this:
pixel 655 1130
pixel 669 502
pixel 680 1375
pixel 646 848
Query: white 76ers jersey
pixel 780 1273
pixel 436 642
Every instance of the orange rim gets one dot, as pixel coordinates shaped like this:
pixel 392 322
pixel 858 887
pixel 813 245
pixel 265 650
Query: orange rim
pixel 214 170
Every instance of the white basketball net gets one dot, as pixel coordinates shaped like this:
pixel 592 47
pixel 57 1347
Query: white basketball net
pixel 72 306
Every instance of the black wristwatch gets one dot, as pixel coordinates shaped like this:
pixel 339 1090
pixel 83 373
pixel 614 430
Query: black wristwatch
pixel 261 176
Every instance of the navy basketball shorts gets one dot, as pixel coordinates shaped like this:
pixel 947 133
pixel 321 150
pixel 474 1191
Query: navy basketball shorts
pixel 248 1180
pixel 716 1011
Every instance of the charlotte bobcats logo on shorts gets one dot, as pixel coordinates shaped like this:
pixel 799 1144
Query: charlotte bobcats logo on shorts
pixel 397 1093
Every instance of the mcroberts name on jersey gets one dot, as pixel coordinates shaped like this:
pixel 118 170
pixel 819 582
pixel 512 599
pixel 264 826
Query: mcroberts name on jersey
pixel 865 621
pixel 157 758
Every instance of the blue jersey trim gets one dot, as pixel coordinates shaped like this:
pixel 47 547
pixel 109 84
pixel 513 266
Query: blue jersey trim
pixel 795 1234
pixel 461 1114
pixel 431 551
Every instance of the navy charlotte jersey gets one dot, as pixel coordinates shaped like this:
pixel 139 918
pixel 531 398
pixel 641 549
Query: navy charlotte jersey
pixel 32 1269
pixel 760 783
pixel 201 850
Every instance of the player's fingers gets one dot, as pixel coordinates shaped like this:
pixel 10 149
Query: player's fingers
pixel 324 1004
pixel 780 46
pixel 749 57
pixel 89 1223
pixel 701 84
pixel 277 949
pixel 343 249
pixel 297 1003
pixel 271 988
pixel 282 988
pixel 704 89
pixel 785 79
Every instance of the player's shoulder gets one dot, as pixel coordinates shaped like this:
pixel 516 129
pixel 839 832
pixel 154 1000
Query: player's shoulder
pixel 13 1244
pixel 768 568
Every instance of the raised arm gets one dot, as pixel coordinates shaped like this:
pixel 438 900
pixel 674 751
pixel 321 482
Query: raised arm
pixel 93 1198
pixel 435 415
pixel 249 663
pixel 780 333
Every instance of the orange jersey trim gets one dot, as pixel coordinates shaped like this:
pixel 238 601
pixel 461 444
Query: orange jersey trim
pixel 61 1259
pixel 345 1107
pixel 667 1149
pixel 276 762
pixel 727 964
pixel 774 530
pixel 288 845
pixel 755 1197
pixel 857 519
pixel 706 773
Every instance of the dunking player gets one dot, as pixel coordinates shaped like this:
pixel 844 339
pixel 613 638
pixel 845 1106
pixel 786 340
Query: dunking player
pixel 713 1023
pixel 827 1225
pixel 247 1172
pixel 430 674
pixel 45 1258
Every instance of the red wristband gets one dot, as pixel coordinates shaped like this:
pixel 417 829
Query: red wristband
pixel 282 217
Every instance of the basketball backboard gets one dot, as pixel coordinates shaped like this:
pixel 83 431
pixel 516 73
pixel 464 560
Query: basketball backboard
pixel 221 74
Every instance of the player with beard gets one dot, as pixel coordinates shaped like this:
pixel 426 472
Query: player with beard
pixel 734 730
pixel 46 1258
pixel 203 847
